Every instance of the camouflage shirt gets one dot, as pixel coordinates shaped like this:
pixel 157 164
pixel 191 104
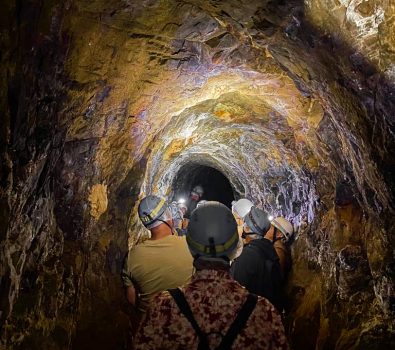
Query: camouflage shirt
pixel 215 299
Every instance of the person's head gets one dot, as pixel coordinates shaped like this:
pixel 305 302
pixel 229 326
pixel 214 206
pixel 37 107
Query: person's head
pixel 176 213
pixel 240 209
pixel 284 226
pixel 154 211
pixel 212 235
pixel 256 223
pixel 183 207
pixel 197 193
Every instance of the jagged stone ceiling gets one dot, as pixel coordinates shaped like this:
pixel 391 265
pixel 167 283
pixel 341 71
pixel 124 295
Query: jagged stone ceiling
pixel 109 100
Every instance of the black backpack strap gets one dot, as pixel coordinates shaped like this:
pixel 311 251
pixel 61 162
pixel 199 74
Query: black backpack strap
pixel 185 309
pixel 239 323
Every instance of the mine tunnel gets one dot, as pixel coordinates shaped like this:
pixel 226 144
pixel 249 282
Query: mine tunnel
pixel 215 184
pixel 289 103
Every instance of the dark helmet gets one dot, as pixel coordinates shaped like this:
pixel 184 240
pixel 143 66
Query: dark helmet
pixel 212 231
pixel 151 208
pixel 258 221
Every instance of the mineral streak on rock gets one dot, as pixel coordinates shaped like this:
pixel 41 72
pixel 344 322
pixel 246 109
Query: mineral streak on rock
pixel 103 102
pixel 98 200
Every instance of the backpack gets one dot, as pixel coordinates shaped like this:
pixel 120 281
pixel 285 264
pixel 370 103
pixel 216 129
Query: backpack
pixel 269 280
pixel 234 329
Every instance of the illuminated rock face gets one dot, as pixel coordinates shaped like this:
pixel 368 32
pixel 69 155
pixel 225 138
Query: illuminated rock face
pixel 106 101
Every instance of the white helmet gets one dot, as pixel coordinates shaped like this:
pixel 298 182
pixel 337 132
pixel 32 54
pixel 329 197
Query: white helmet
pixel 182 206
pixel 242 207
pixel 200 203
pixel 284 226
pixel 198 189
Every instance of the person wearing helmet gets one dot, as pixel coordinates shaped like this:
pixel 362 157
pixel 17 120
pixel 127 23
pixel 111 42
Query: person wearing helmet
pixel 259 267
pixel 184 224
pixel 281 233
pixel 194 197
pixel 159 263
pixel 212 311
pixel 177 216
pixel 178 211
pixel 198 190
pixel 240 209
pixel 183 207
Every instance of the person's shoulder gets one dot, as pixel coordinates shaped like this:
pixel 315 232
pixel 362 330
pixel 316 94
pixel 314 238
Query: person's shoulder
pixel 263 242
pixel 264 306
pixel 136 251
pixel 178 239
pixel 249 252
pixel 264 247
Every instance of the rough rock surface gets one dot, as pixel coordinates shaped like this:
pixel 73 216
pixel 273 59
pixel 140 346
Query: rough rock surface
pixel 105 101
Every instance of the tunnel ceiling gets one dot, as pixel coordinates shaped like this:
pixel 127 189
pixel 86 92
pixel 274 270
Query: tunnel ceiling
pixel 142 68
pixel 106 101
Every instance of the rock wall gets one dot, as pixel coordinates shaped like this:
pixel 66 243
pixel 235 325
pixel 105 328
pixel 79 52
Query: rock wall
pixel 105 101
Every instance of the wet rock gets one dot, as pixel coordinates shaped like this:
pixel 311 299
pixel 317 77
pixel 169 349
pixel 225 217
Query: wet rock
pixel 344 193
pixel 353 274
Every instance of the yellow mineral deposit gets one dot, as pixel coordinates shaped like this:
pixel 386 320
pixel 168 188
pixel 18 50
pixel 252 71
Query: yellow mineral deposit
pixel 98 200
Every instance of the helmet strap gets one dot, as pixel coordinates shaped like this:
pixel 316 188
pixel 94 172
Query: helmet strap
pixel 212 249
pixel 245 234
pixel 275 238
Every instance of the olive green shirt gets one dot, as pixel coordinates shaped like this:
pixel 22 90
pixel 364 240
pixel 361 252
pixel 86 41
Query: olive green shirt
pixel 157 265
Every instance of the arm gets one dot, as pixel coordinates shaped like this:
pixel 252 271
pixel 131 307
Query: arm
pixel 281 251
pixel 131 294
pixel 280 248
pixel 130 289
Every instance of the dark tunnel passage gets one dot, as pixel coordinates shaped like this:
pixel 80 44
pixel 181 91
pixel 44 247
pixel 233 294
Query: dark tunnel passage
pixel 215 184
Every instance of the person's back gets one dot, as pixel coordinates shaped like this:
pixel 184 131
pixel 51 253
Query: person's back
pixel 215 300
pixel 261 266
pixel 258 269
pixel 213 311
pixel 157 265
